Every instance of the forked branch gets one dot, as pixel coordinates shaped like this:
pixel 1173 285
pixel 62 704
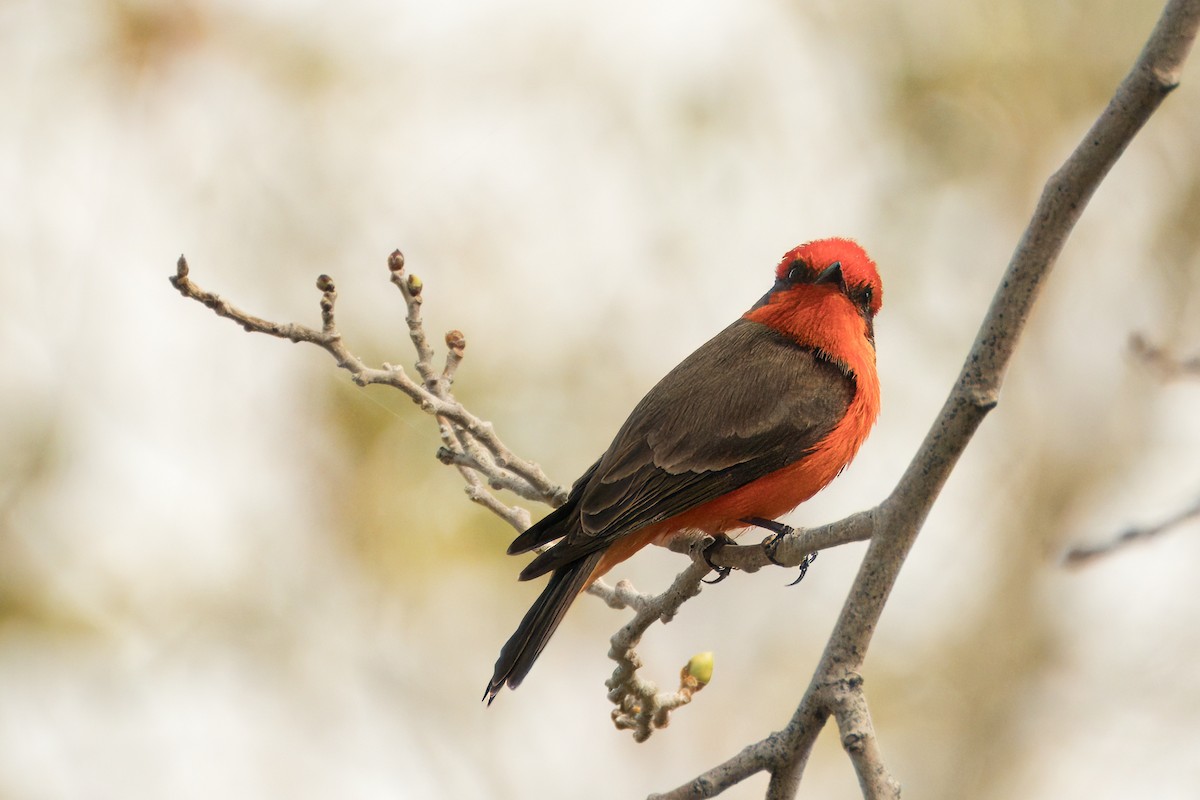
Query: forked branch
pixel 468 443
pixel 899 518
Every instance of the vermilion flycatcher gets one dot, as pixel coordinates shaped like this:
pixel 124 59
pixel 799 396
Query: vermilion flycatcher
pixel 755 422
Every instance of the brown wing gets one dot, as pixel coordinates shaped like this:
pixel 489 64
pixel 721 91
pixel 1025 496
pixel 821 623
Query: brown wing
pixel 746 403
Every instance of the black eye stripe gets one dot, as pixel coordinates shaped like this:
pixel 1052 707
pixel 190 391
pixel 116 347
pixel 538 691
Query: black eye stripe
pixel 800 272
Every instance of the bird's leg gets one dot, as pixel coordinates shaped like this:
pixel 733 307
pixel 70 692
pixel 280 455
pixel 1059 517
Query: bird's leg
pixel 778 531
pixel 718 540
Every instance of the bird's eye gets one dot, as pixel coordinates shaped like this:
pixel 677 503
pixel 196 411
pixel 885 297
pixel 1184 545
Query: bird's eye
pixel 862 298
pixel 798 271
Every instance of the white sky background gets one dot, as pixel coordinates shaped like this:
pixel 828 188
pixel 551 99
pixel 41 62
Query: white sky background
pixel 589 191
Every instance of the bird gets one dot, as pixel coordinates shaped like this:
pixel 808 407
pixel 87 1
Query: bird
pixel 754 422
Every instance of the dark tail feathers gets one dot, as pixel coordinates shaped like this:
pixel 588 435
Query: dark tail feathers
pixel 540 622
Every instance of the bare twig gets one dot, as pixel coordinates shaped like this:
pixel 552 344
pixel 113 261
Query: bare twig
pixel 1168 367
pixel 638 704
pixel 1166 364
pixel 1081 555
pixel 468 443
pixel 900 517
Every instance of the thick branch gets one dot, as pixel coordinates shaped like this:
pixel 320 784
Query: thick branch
pixel 1154 75
pixel 899 518
pixel 471 446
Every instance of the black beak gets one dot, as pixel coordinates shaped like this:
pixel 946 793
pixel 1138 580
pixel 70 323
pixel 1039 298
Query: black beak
pixel 832 274
pixel 766 298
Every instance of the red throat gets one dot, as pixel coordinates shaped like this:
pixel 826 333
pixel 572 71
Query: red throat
pixel 823 319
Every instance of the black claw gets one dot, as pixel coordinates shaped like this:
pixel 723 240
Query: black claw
pixel 808 559
pixel 720 540
pixel 722 574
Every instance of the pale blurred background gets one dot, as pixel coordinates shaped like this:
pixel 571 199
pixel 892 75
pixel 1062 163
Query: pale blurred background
pixel 227 572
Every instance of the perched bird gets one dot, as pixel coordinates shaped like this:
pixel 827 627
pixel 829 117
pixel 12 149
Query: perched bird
pixel 753 423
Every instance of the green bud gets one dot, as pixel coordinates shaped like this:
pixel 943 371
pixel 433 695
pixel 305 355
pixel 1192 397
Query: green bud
pixel 700 667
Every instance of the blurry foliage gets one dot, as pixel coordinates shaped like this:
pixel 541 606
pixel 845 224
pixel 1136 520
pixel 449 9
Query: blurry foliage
pixel 983 92
pixel 29 597
pixel 145 40
pixel 145 36
pixel 400 512
pixel 1175 257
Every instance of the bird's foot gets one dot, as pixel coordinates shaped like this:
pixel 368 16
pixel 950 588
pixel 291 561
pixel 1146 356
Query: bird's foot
pixel 804 565
pixel 719 540
pixel 771 543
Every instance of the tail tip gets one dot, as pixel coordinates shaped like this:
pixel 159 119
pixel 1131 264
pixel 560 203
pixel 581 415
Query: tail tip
pixel 493 688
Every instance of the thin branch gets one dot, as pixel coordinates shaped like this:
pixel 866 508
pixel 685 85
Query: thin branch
pixel 1081 555
pixel 792 549
pixel 900 517
pixel 638 704
pixel 1167 365
pixel 469 443
pixel 471 446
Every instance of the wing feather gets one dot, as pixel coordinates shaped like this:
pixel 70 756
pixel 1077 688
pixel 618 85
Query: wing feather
pixel 746 403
